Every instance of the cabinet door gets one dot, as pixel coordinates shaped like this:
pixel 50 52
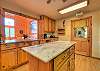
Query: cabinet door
pixel 72 62
pixel 50 25
pixel 65 66
pixel 8 58
pixel 46 24
pixel 53 26
pixel 22 56
pixel 42 41
pixel 41 29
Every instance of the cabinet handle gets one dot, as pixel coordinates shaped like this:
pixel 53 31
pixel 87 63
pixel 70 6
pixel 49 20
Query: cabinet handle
pixel 64 56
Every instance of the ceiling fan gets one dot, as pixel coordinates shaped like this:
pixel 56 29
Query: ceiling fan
pixel 49 1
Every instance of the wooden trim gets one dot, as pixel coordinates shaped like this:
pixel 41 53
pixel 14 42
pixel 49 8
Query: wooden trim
pixel 81 18
pixel 16 66
pixel 17 13
pixel 95 58
pixel 1 32
pixel 90 27
pixel 88 56
pixel 43 16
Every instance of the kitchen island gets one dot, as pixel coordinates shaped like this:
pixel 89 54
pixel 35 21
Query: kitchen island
pixel 52 56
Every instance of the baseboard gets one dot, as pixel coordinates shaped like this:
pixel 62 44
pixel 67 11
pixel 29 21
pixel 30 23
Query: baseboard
pixel 14 67
pixel 20 65
pixel 88 56
pixel 96 58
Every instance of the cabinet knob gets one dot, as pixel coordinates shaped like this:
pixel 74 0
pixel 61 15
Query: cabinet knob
pixel 3 66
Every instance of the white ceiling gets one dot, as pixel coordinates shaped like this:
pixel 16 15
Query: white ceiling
pixel 40 7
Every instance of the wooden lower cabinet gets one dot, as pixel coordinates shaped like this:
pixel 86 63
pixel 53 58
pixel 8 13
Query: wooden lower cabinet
pixel 72 62
pixel 22 56
pixel 65 66
pixel 63 62
pixel 8 58
pixel 12 58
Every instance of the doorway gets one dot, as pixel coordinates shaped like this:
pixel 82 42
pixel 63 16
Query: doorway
pixel 81 33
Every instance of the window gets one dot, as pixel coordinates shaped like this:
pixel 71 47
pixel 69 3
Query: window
pixel 34 28
pixel 14 23
pixel 9 28
pixel 12 32
pixel 6 32
pixel 9 22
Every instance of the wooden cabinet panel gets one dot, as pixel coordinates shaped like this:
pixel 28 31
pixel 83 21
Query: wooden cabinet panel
pixel 50 25
pixel 65 66
pixel 46 24
pixel 12 56
pixel 7 46
pixel 41 29
pixel 72 62
pixel 8 58
pixel 72 50
pixel 38 65
pixel 33 62
pixel 61 58
pixel 53 26
pixel 65 61
pixel 22 56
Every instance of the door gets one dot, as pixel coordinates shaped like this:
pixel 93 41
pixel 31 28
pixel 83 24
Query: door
pixel 82 35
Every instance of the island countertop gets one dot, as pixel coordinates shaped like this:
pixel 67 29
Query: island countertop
pixel 48 51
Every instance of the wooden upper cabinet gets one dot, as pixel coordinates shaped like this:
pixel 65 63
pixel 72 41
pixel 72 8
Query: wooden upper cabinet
pixel 46 24
pixel 50 25
pixel 53 26
pixel 40 29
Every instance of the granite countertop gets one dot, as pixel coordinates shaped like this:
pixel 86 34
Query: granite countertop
pixel 20 40
pixel 48 51
pixel 16 41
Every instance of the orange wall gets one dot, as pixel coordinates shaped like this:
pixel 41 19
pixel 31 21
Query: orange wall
pixel 21 23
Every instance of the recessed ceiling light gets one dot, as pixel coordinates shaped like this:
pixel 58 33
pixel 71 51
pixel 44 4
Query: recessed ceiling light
pixel 74 7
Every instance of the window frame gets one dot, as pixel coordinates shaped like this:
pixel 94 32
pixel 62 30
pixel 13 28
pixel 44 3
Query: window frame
pixel 9 26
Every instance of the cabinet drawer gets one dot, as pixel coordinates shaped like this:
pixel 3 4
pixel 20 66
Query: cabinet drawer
pixel 33 43
pixel 36 42
pixel 20 44
pixel 7 46
pixel 59 60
